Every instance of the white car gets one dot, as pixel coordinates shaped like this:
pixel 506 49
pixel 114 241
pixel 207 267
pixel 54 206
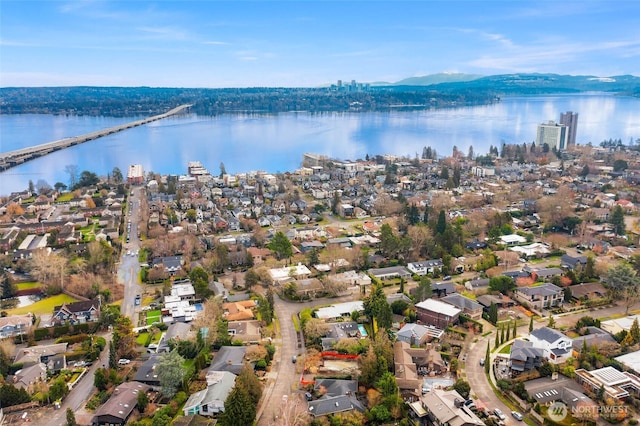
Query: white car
pixel 124 361
pixel 499 414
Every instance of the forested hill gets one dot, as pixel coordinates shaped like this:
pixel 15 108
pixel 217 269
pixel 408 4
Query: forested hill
pixel 528 84
pixel 132 101
pixel 422 93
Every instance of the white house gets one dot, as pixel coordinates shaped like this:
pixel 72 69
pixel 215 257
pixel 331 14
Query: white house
pixel 298 271
pixel 512 239
pixel 425 267
pixel 555 345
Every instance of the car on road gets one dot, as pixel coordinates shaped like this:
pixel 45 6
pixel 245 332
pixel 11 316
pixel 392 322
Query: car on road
pixel 498 412
pixel 123 361
pixel 137 302
pixel 516 415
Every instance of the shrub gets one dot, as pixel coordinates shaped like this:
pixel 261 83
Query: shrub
pixel 72 339
pixel 41 333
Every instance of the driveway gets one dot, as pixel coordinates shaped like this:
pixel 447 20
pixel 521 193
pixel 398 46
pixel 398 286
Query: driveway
pixel 284 376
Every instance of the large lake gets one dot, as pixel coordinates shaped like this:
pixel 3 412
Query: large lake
pixel 275 143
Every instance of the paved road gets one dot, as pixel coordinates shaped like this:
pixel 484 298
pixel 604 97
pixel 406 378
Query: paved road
pixel 286 375
pixel 129 267
pixel 77 397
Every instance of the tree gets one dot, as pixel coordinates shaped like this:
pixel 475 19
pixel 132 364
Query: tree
pixel 200 279
pixel 624 284
pixel 493 313
pixel 389 242
pixel 635 331
pixel 503 284
pixel 505 333
pixel 441 225
pixel 423 291
pixel 238 408
pixel 117 177
pixel 223 170
pixel 531 324
pixel 552 322
pixel 170 372
pixel 281 245
pixel 143 401
pixel 497 339
pixel 377 308
pixel 72 171
pixel 100 379
pixel 462 387
pixel 8 289
pixel 113 356
pixel 620 165
pixel 387 385
pixel 372 367
pixel 515 330
pixel 250 381
pixel 251 278
pixel 487 359
pixel 617 220
pixel 87 178
pixel 71 417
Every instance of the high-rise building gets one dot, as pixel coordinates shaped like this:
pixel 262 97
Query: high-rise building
pixel 552 134
pixel 570 119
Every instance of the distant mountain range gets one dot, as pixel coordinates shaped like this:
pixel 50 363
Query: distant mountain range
pixel 521 83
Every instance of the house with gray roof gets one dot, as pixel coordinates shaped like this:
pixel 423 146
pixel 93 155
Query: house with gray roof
pixel 147 373
pixel 120 405
pixel 524 356
pixel 442 288
pixel 229 358
pixel 555 345
pixel 334 404
pixel 390 272
pixel 595 337
pixel 442 407
pixel 469 307
pixel 538 297
pixel 573 262
pixel 28 376
pixel 418 334
pixel 210 401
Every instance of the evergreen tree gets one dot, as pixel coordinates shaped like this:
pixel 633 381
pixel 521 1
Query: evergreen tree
pixel 552 322
pixel 487 359
pixel 515 330
pixel 441 225
pixel 413 215
pixel 113 355
pixel 531 325
pixel 635 331
pixel 376 308
pixel 497 342
pixel 617 220
pixel 239 409
pixel 493 313
pixel 503 338
pixel 281 245
pixel 143 401
pixel 71 417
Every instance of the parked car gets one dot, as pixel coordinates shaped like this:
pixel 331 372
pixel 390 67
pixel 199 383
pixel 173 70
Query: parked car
pixel 308 396
pixel 499 413
pixel 516 415
pixel 123 361
pixel 481 361
pixel 294 359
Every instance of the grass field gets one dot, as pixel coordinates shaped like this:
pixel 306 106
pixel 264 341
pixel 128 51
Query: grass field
pixel 506 350
pixel 64 197
pixel 142 339
pixel 27 286
pixel 153 316
pixel 45 306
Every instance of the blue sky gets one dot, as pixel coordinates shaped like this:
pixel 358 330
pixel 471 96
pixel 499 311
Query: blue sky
pixel 308 43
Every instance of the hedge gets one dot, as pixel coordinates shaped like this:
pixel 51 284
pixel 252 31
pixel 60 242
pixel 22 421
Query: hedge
pixel 76 355
pixel 72 339
pixel 463 319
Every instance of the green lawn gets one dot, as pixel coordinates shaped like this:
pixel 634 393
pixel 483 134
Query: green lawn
pixel 142 339
pixel 154 316
pixel 64 197
pixel 506 350
pixel 28 286
pixel 45 306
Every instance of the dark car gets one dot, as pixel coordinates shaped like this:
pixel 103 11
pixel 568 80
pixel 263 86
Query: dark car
pixel 308 396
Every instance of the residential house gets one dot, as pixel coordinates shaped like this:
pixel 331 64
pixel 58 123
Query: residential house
pixel 118 408
pixel 14 325
pixel 229 358
pixel 148 373
pixel 437 313
pixel 245 331
pixel 539 297
pixel 339 331
pixel 309 287
pixel 336 396
pixel 555 345
pixel 239 311
pixel 573 262
pixel 286 273
pixel 210 401
pixel 175 331
pixel 170 264
pixel 546 390
pixel 339 310
pixel 525 356
pixel 30 375
pixel 588 291
pixel 442 288
pixel 469 307
pixel 51 355
pixel 595 337
pixel 425 267
pixel 444 408
pixel 389 273
pixel 77 312
pixel 417 334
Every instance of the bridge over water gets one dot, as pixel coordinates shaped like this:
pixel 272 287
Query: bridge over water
pixel 13 158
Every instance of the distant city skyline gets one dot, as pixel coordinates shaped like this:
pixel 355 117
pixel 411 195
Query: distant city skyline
pixel 308 43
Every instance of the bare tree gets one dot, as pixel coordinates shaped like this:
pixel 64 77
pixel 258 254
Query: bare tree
pixel 48 267
pixel 208 318
pixel 293 412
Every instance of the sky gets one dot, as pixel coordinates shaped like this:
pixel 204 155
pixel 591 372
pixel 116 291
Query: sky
pixel 213 44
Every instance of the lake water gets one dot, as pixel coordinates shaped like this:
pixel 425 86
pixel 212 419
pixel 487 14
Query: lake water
pixel 275 143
